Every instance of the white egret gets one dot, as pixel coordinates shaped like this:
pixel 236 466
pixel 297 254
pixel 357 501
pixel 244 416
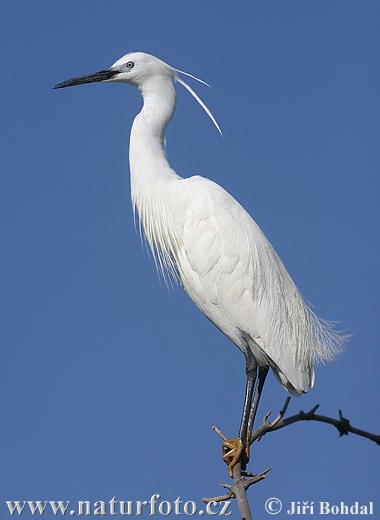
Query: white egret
pixel 201 235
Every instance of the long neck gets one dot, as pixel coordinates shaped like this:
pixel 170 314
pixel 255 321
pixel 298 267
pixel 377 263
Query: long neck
pixel 148 162
pixel 151 175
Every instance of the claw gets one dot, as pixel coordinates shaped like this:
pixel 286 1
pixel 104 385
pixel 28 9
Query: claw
pixel 232 450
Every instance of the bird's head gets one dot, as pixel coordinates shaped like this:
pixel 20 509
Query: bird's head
pixel 139 69
pixel 135 68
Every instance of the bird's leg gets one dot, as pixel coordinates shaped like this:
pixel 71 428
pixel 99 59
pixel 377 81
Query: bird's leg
pixel 251 372
pixel 263 371
pixel 232 449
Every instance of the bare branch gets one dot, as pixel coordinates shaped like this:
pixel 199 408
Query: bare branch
pixel 256 478
pixel 240 492
pixel 218 432
pixel 240 481
pixel 266 426
pixel 239 488
pixel 220 498
pixel 342 424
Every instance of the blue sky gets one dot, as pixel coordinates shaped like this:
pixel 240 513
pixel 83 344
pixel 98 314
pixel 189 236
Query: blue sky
pixel 110 383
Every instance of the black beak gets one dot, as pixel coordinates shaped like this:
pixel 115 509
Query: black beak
pixel 102 75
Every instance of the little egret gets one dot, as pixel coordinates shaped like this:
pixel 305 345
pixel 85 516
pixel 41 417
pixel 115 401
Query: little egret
pixel 199 234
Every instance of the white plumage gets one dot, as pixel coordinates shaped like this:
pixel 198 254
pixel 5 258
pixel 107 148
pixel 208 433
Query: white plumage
pixel 223 260
pixel 200 234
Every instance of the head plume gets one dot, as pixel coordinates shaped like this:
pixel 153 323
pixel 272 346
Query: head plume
pixel 178 79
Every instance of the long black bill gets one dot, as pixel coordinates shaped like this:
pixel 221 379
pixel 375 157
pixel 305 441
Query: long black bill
pixel 102 75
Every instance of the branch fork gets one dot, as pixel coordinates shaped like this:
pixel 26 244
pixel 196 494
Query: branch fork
pixel 242 480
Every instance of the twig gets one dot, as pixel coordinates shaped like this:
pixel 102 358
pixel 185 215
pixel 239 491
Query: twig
pixel 218 432
pixel 342 424
pixel 266 426
pixel 242 483
pixel 238 490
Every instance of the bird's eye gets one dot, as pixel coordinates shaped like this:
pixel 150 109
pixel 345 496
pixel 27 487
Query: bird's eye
pixel 130 64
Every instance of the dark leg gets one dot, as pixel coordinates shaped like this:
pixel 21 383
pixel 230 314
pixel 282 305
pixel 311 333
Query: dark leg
pixel 251 372
pixel 233 448
pixel 263 371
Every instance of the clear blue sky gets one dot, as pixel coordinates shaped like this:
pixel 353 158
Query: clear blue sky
pixel 110 383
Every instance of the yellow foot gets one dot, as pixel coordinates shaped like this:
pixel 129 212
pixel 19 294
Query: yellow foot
pixel 232 450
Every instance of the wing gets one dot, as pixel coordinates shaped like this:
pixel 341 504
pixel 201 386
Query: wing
pixel 215 257
pixel 231 272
